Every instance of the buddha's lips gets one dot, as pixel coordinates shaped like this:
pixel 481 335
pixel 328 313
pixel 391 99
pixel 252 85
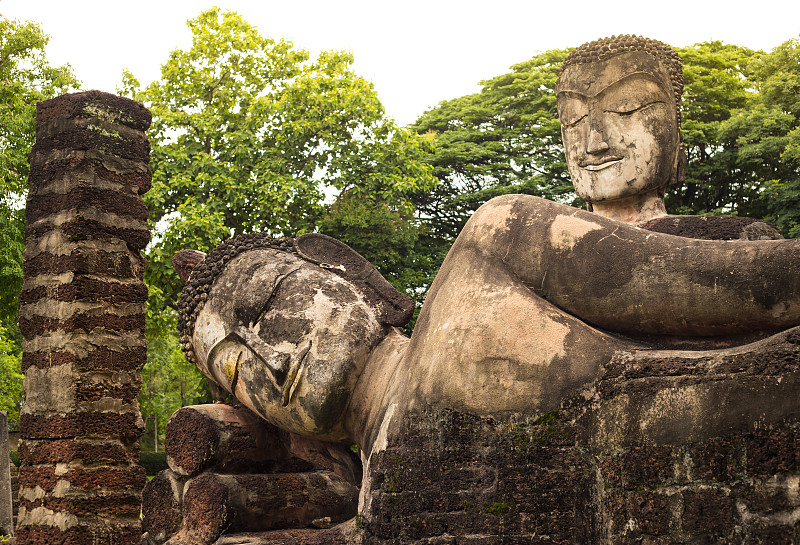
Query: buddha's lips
pixel 605 163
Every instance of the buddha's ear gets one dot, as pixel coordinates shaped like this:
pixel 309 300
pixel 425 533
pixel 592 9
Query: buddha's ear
pixel 185 261
pixel 394 308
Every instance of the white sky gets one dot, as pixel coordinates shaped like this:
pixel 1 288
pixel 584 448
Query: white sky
pixel 416 52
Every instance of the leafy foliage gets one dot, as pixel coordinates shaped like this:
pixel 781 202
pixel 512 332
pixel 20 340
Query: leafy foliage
pixel 767 134
pixel 719 80
pixel 739 125
pixel 249 135
pixel 169 382
pixel 153 462
pixel 504 139
pixel 10 379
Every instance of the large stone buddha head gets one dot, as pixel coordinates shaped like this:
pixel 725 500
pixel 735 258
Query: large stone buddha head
pixel 619 106
pixel 286 325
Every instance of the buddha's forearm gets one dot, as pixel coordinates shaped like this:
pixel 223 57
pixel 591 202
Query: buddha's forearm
pixel 626 279
pixel 674 286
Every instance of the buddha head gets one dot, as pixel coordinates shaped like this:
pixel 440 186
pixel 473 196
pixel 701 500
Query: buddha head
pixel 286 325
pixel 619 105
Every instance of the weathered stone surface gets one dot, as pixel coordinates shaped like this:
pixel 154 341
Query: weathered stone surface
pixel 103 477
pixel 82 320
pixel 619 106
pixel 560 432
pixel 598 472
pixel 60 171
pixel 226 437
pixel 232 439
pixel 124 426
pixel 714 227
pixel 94 532
pixel 215 503
pixel 162 499
pixel 93 134
pixel 451 476
pixel 86 322
pixel 85 288
pixel 88 358
pixel 107 201
pixel 6 510
pixel 332 536
pixel 94 104
pixel 542 397
pixel 88 451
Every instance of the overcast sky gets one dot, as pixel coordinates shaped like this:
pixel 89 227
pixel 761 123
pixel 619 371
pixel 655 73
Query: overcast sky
pixel 416 52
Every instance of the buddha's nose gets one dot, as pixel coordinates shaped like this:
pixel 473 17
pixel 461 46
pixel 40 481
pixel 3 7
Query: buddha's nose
pixel 596 139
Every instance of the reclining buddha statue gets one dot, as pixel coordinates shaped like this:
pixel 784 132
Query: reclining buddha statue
pixel 533 301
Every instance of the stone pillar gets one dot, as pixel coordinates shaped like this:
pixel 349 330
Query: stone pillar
pixel 82 319
pixel 6 506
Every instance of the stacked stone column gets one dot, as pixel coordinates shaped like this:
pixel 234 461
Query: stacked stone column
pixel 82 320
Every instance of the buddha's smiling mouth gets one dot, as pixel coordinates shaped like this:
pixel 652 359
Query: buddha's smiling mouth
pixel 605 163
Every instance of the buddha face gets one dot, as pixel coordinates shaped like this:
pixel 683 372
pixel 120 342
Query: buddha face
pixel 619 126
pixel 287 339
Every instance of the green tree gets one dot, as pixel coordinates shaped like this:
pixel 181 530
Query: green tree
pixel 10 379
pixel 25 79
pixel 719 80
pixel 504 139
pixel 249 135
pixel 767 134
pixel 738 122
pixel 169 382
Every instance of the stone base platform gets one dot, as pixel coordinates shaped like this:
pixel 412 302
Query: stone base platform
pixel 664 447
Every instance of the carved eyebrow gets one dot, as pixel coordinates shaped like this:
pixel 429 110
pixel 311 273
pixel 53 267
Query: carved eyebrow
pixel 268 303
pixel 623 79
pixel 573 94
pixel 276 362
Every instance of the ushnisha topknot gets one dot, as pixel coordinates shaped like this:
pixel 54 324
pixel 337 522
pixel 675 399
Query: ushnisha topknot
pixel 605 48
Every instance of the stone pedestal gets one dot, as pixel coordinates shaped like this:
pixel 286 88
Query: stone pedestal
pixel 661 449
pixel 82 319
pixel 235 477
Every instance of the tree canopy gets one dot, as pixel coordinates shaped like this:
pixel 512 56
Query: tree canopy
pixel 766 134
pixel 250 135
pixel 504 139
pixel 25 79
pixel 718 80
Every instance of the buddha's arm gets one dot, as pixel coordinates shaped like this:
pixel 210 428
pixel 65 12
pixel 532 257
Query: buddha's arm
pixel 626 279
